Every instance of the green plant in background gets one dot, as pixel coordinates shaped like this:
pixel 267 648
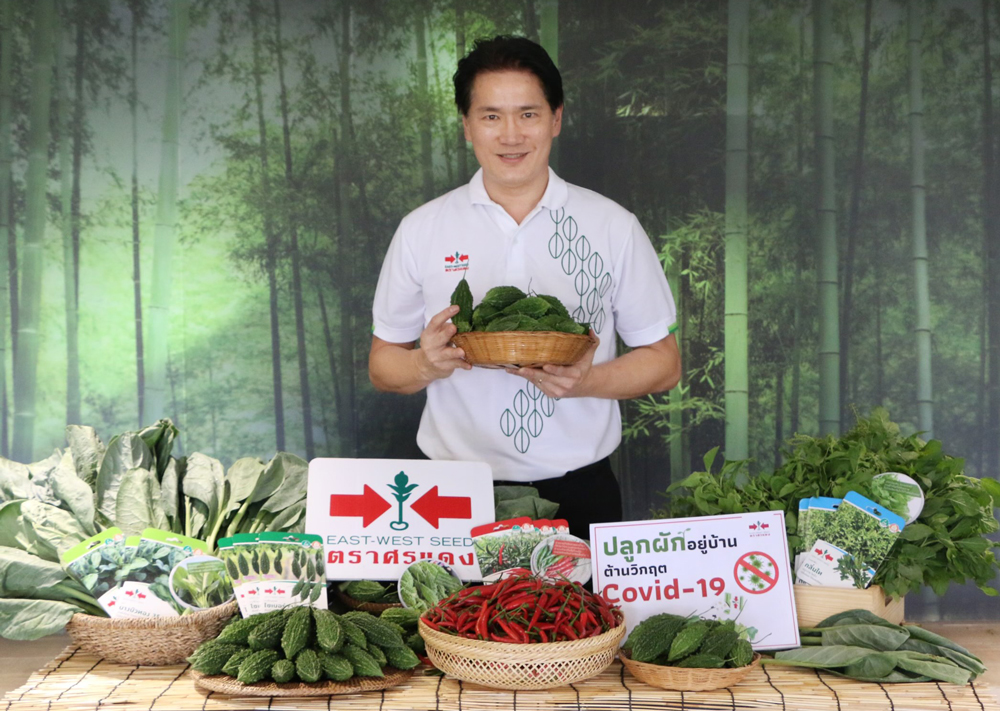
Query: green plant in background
pixel 948 541
pixel 401 492
pixel 49 506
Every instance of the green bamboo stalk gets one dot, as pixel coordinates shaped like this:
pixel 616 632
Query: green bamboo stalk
pixel 462 152
pixel 133 102
pixel 737 123
pixel 66 223
pixel 925 401
pixel 989 448
pixel 26 366
pixel 270 234
pixel 347 413
pixel 426 148
pixel 293 231
pixel 6 229
pixel 826 220
pixel 155 398
pixel 548 37
pixel 922 329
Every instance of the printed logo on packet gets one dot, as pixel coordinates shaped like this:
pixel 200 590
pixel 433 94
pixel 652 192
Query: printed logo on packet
pixel 456 262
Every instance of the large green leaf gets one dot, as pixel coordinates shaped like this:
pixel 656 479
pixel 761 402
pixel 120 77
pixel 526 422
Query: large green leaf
pixel 932 638
pixel 170 493
pixel 821 657
pixel 22 619
pixel 881 639
pixel 160 440
pixel 294 474
pixel 10 522
pixel 138 505
pixel 935 667
pixel 125 452
pixel 51 531
pixel 75 495
pixel 15 481
pixel 88 451
pixel 22 573
pixel 204 482
pixel 242 480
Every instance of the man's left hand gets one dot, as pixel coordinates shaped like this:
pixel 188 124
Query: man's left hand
pixel 559 381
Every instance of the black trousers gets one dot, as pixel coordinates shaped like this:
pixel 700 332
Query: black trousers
pixel 585 496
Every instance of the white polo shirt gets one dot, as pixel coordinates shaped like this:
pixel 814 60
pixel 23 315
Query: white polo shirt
pixel 576 245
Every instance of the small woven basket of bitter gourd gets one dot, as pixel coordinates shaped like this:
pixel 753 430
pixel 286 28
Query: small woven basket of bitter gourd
pixel 511 328
pixel 688 653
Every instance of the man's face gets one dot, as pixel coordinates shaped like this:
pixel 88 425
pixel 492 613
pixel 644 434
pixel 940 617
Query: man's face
pixel 511 127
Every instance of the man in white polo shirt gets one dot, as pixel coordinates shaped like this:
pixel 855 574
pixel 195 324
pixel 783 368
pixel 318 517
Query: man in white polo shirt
pixel 517 223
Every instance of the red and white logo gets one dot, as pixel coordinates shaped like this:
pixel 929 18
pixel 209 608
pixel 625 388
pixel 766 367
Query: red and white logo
pixel 456 262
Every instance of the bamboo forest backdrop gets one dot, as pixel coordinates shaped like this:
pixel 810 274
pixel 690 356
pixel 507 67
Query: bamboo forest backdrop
pixel 195 199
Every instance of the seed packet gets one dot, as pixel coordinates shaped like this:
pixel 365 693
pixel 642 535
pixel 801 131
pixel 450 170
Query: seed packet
pixel 800 531
pixel 818 518
pixel 97 563
pixel 423 584
pixel 293 569
pixel 200 582
pixel 562 557
pixel 900 494
pixel 858 538
pixel 145 588
pixel 247 587
pixel 504 546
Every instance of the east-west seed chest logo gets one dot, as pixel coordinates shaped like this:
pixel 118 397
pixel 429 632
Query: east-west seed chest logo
pixel 456 262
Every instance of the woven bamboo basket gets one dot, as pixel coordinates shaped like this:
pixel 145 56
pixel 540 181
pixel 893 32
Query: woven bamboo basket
pixel 355 604
pixel 502 665
pixel 153 641
pixel 222 684
pixel 525 349
pixel 684 679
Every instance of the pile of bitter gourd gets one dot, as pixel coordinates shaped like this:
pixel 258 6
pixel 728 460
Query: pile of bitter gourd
pixel 507 308
pixel 305 644
pixel 672 640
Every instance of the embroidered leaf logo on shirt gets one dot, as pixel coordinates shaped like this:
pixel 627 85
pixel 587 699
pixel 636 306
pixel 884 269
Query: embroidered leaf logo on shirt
pixel 456 262
pixel 530 405
pixel 578 259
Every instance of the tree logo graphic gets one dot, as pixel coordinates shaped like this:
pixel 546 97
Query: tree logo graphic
pixel 401 489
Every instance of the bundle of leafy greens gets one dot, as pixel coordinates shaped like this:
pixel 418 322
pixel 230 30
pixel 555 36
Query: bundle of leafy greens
pixel 133 483
pixel 947 543
pixel 860 645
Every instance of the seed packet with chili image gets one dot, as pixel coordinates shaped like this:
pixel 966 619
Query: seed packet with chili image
pixel 501 546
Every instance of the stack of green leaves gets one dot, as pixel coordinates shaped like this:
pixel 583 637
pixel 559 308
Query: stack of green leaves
pixel 691 642
pixel 424 584
pixel 370 591
pixel 948 541
pixel 304 644
pixel 516 501
pixel 860 645
pixel 133 483
pixel 507 308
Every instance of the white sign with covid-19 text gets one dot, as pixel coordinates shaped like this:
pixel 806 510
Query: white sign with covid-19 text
pixel 376 516
pixel 728 567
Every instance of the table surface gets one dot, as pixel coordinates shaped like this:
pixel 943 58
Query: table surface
pixel 20 659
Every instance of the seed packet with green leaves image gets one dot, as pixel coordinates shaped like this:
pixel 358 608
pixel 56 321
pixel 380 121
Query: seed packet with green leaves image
pixel 99 564
pixel 899 493
pixel 145 589
pixel 293 569
pixel 425 583
pixel 821 512
pixel 200 582
pixel 858 539
pixel 800 530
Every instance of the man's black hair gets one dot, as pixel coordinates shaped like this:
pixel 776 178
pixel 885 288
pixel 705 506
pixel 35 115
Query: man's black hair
pixel 505 53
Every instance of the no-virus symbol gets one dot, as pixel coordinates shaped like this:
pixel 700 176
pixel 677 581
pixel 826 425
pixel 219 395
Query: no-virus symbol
pixel 756 572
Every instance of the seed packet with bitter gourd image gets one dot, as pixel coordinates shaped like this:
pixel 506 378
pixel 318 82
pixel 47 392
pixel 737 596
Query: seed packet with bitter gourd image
pixel 294 569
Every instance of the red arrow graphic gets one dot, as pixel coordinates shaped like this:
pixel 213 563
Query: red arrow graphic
pixel 431 507
pixel 368 505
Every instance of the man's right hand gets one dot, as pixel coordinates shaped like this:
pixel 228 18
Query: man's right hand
pixel 404 368
pixel 437 359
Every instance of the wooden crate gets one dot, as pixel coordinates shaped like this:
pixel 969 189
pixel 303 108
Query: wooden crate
pixel 814 603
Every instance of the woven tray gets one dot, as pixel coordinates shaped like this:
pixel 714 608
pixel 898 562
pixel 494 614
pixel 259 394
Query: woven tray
pixel 684 679
pixel 153 641
pixel 524 349
pixel 503 665
pixel 355 604
pixel 224 684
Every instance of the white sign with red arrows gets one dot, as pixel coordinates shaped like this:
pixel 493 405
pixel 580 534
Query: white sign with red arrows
pixel 377 516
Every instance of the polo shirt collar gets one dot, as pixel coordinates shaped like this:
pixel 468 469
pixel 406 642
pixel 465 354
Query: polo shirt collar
pixel 554 197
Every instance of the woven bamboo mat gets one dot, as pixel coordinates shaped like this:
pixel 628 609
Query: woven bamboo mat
pixel 76 680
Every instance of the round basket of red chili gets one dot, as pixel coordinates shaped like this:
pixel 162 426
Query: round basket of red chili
pixel 522 633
